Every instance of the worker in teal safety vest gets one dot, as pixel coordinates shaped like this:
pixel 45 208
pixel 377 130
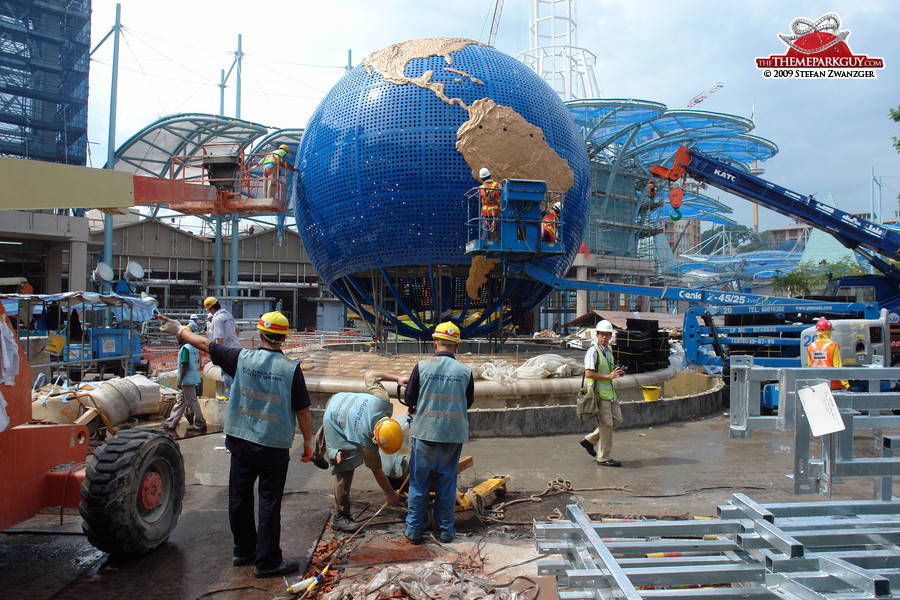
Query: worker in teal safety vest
pixel 600 370
pixel 267 395
pixel 439 393
pixel 357 429
pixel 270 168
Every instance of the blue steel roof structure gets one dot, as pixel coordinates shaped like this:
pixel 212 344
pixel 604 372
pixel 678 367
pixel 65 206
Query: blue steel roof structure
pixel 149 152
pixel 634 135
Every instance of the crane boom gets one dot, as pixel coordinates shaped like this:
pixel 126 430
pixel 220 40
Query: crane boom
pixel 703 95
pixel 495 22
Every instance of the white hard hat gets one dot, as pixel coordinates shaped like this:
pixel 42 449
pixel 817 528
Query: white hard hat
pixel 484 173
pixel 604 326
pixel 557 207
pixel 194 317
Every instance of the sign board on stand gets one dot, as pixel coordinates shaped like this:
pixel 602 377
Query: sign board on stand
pixel 821 409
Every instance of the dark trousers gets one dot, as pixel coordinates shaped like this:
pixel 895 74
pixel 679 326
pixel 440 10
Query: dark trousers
pixel 250 462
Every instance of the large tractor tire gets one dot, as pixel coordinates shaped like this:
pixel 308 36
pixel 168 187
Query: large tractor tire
pixel 133 491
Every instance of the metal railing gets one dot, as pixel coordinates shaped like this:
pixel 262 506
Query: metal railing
pixel 794 551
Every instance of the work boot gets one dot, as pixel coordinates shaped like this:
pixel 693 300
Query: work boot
pixel 609 463
pixel 345 523
pixel 286 567
pixel 588 446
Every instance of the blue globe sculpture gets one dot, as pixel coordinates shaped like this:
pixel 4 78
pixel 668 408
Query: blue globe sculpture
pixel 385 165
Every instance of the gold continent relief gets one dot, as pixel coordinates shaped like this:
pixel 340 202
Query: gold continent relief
pixel 493 136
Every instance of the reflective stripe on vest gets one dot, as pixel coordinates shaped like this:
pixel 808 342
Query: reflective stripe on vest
pixel 549 224
pixel 349 422
pixel 821 355
pixel 259 407
pixel 441 410
pixel 605 387
pixel 490 199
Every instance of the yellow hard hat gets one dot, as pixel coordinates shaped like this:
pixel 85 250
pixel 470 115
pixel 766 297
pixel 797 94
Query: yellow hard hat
pixel 388 435
pixel 207 304
pixel 274 322
pixel 446 331
pixel 285 148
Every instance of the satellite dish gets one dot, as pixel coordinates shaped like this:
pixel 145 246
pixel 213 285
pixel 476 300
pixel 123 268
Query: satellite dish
pixel 103 272
pixel 133 271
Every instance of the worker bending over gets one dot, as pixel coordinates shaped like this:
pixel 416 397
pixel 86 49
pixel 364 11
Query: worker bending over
pixel 355 427
pixel 270 168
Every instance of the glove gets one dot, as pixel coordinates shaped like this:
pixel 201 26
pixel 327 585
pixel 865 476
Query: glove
pixel 170 326
pixel 307 453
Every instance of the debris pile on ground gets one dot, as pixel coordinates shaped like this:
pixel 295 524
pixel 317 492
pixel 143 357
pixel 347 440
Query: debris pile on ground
pixel 429 580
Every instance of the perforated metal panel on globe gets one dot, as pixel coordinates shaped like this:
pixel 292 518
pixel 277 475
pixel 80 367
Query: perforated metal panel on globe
pixel 380 198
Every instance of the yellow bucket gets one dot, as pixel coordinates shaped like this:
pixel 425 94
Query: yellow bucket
pixel 651 393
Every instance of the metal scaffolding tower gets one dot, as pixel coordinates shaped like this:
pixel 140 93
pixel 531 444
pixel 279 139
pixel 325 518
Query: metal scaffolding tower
pixel 44 59
pixel 555 54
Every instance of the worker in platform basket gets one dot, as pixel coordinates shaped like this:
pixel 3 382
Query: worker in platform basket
pixel 825 353
pixel 270 165
pixel 358 429
pixel 268 394
pixel 490 203
pixel 550 223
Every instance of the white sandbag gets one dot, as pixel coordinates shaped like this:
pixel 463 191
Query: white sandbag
pixel 149 404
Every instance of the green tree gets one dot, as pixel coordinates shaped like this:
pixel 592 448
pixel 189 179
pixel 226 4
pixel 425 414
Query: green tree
pixel 809 277
pixel 711 240
pixel 895 117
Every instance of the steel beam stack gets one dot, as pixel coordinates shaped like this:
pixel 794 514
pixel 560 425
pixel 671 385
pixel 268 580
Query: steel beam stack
pixel 792 551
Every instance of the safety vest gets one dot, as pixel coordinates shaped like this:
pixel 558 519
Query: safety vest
pixel 192 377
pixel 272 160
pixel 605 389
pixel 349 421
pixel 490 199
pixel 442 409
pixel 821 354
pixel 548 225
pixel 259 408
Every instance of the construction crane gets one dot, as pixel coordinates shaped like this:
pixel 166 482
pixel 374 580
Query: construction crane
pixel 701 96
pixel 495 22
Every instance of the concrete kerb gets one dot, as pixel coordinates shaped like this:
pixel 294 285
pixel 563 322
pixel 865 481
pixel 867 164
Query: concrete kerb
pixel 544 406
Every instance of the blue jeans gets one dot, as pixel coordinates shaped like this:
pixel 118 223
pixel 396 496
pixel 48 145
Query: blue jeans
pixel 442 460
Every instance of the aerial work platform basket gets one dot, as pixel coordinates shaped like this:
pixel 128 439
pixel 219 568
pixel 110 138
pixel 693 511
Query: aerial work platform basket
pixel 523 204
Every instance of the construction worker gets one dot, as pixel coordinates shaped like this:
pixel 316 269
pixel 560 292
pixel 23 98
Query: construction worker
pixel 550 223
pixel 194 324
pixel 825 353
pixel 439 394
pixel 187 380
pixel 356 428
pixel 222 330
pixel 490 203
pixel 269 392
pixel 270 167
pixel 599 371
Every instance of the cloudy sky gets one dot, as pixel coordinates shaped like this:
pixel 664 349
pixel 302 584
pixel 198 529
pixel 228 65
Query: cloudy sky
pixel 831 134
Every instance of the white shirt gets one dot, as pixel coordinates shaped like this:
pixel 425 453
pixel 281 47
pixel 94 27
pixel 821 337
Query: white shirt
pixel 224 327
